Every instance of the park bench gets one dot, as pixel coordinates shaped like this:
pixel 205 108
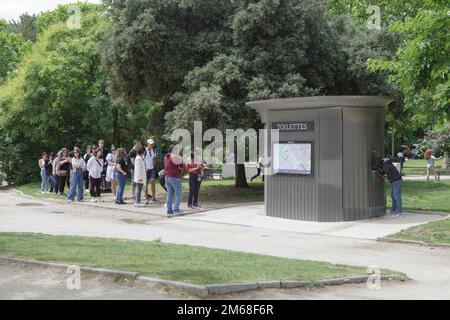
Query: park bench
pixel 213 174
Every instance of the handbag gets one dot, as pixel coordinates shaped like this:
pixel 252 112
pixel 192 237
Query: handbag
pixel 62 173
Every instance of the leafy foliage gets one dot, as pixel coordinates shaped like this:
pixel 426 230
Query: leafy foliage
pixel 12 49
pixel 59 96
pixel 421 67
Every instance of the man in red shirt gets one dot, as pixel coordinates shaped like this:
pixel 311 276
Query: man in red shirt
pixel 173 166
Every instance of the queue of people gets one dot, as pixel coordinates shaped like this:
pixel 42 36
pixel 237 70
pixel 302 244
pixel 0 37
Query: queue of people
pixel 99 165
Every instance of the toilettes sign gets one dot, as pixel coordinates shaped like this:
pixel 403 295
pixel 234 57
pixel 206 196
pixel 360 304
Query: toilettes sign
pixel 294 126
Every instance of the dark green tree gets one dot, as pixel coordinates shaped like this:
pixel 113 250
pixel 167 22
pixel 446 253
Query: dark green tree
pixel 225 54
pixel 58 96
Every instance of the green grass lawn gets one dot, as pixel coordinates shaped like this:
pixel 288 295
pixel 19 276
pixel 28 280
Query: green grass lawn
pixel 424 195
pixel 212 191
pixel 196 265
pixel 436 232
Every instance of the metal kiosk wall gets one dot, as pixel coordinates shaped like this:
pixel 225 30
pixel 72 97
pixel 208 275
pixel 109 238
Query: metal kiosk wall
pixel 322 167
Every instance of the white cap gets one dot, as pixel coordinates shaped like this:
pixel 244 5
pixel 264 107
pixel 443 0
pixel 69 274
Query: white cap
pixel 150 141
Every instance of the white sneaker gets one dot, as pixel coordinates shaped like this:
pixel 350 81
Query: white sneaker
pixel 139 205
pixel 93 200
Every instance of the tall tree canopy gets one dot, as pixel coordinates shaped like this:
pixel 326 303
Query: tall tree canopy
pixel 210 57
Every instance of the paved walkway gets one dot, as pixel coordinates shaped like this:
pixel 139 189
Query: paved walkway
pixel 428 267
pixel 423 178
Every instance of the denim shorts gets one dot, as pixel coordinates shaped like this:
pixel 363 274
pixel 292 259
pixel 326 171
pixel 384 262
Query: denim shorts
pixel 152 174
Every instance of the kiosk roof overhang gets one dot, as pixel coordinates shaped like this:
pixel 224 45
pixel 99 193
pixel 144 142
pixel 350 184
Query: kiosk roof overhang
pixel 321 102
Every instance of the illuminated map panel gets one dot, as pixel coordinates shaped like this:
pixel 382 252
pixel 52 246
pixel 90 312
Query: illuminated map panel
pixel 292 158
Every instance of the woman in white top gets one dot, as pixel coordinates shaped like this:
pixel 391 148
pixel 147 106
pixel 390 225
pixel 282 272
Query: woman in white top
pixel 76 185
pixel 111 170
pixel 95 168
pixel 431 159
pixel 140 175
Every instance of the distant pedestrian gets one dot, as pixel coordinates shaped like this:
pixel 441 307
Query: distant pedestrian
pixel 45 180
pixel 55 163
pixel 387 169
pixel 431 159
pixel 86 158
pixel 78 167
pixel 63 170
pixel 401 158
pixel 259 167
pixel 49 170
pixel 152 174
pixel 95 167
pixel 122 170
pixel 111 170
pixel 131 158
pixel 173 166
pixel 195 168
pixel 140 176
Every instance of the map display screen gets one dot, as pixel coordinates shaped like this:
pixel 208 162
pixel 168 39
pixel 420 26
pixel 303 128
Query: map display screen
pixel 292 158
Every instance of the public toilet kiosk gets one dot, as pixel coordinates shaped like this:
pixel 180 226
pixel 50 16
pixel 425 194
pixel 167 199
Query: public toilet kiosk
pixel 323 166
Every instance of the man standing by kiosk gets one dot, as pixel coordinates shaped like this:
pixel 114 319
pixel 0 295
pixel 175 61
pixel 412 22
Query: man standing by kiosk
pixel 388 170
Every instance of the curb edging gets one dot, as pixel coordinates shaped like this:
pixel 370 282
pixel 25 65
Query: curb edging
pixel 198 290
pixel 395 240
pixel 204 291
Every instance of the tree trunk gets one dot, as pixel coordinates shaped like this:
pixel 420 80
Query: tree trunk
pixel 240 177
pixel 116 127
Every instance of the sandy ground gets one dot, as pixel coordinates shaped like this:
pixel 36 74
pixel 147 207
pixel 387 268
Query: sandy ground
pixel 428 267
pixel 31 282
